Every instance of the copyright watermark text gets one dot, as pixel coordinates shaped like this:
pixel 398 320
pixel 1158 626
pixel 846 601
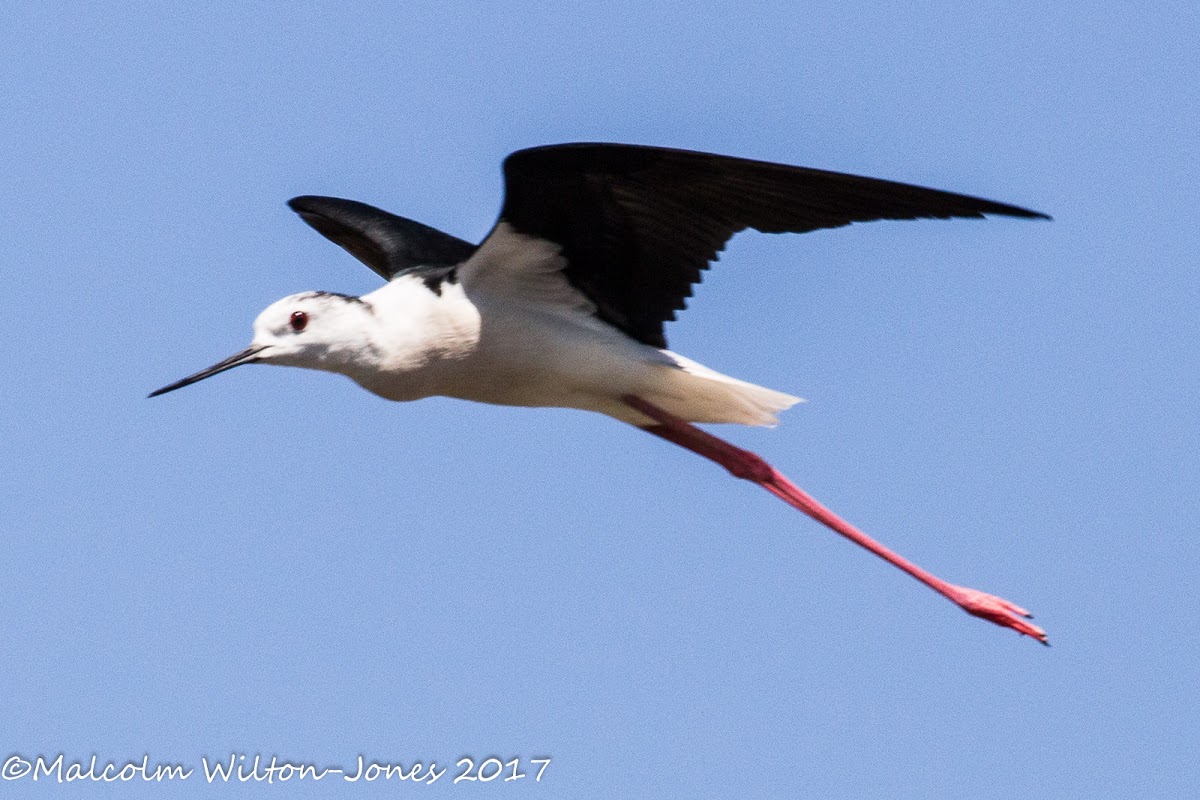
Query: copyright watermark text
pixel 243 768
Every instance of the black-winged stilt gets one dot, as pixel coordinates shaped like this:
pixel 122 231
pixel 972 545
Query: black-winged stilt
pixel 563 304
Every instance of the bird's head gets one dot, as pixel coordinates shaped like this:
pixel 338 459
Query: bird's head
pixel 317 330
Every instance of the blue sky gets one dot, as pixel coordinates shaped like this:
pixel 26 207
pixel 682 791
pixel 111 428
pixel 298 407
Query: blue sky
pixel 275 562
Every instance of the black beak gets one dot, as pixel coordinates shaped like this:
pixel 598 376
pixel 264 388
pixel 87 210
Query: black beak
pixel 247 356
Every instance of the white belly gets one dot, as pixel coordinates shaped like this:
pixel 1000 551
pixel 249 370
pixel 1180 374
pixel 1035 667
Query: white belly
pixel 547 360
pixel 493 350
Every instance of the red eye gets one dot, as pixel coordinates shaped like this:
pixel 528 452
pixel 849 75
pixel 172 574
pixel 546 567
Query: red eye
pixel 298 321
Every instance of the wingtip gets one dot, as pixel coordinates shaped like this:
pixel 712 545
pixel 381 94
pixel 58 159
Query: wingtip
pixel 1016 211
pixel 303 203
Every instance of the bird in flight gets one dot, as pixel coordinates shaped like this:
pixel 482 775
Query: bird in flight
pixel 564 302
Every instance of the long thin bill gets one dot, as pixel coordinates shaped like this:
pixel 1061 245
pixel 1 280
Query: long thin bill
pixel 247 356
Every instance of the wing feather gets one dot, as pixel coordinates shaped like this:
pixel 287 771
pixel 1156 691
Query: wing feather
pixel 638 225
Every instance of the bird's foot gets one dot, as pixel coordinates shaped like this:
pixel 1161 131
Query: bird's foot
pixel 997 610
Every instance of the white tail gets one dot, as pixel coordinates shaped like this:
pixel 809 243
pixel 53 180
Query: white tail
pixel 695 393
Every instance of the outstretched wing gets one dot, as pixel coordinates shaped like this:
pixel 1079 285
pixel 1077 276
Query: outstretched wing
pixel 637 225
pixel 388 244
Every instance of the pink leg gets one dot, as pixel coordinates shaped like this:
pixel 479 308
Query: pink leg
pixel 747 465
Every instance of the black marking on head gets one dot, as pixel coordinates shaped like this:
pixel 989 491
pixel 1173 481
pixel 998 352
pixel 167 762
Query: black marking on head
pixel 345 298
pixel 349 298
pixel 434 277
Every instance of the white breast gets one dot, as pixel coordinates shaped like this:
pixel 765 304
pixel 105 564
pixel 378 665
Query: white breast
pixel 509 329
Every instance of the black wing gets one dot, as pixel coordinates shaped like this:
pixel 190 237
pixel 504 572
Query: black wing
pixel 638 224
pixel 384 242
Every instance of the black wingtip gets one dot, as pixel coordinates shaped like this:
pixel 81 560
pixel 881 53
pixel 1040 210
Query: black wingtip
pixel 1025 213
pixel 386 243
pixel 308 203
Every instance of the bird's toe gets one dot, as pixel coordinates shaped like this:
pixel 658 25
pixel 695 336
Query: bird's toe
pixel 997 610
